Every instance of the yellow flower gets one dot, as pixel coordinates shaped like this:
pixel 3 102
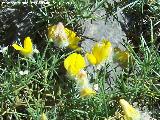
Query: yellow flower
pixel 100 52
pixel 130 113
pixel 27 50
pixel 87 92
pixel 43 116
pixel 74 63
pixel 122 57
pixel 63 37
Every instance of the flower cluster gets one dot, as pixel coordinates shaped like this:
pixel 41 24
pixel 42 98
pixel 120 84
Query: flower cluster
pixel 76 64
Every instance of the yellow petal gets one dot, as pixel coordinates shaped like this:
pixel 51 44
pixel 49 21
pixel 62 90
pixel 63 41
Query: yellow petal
pixel 70 33
pixel 17 47
pixel 108 47
pixel 106 50
pixel 74 63
pixel 91 58
pixel 96 51
pixel 130 112
pixel 73 39
pixel 28 44
pixel 87 92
